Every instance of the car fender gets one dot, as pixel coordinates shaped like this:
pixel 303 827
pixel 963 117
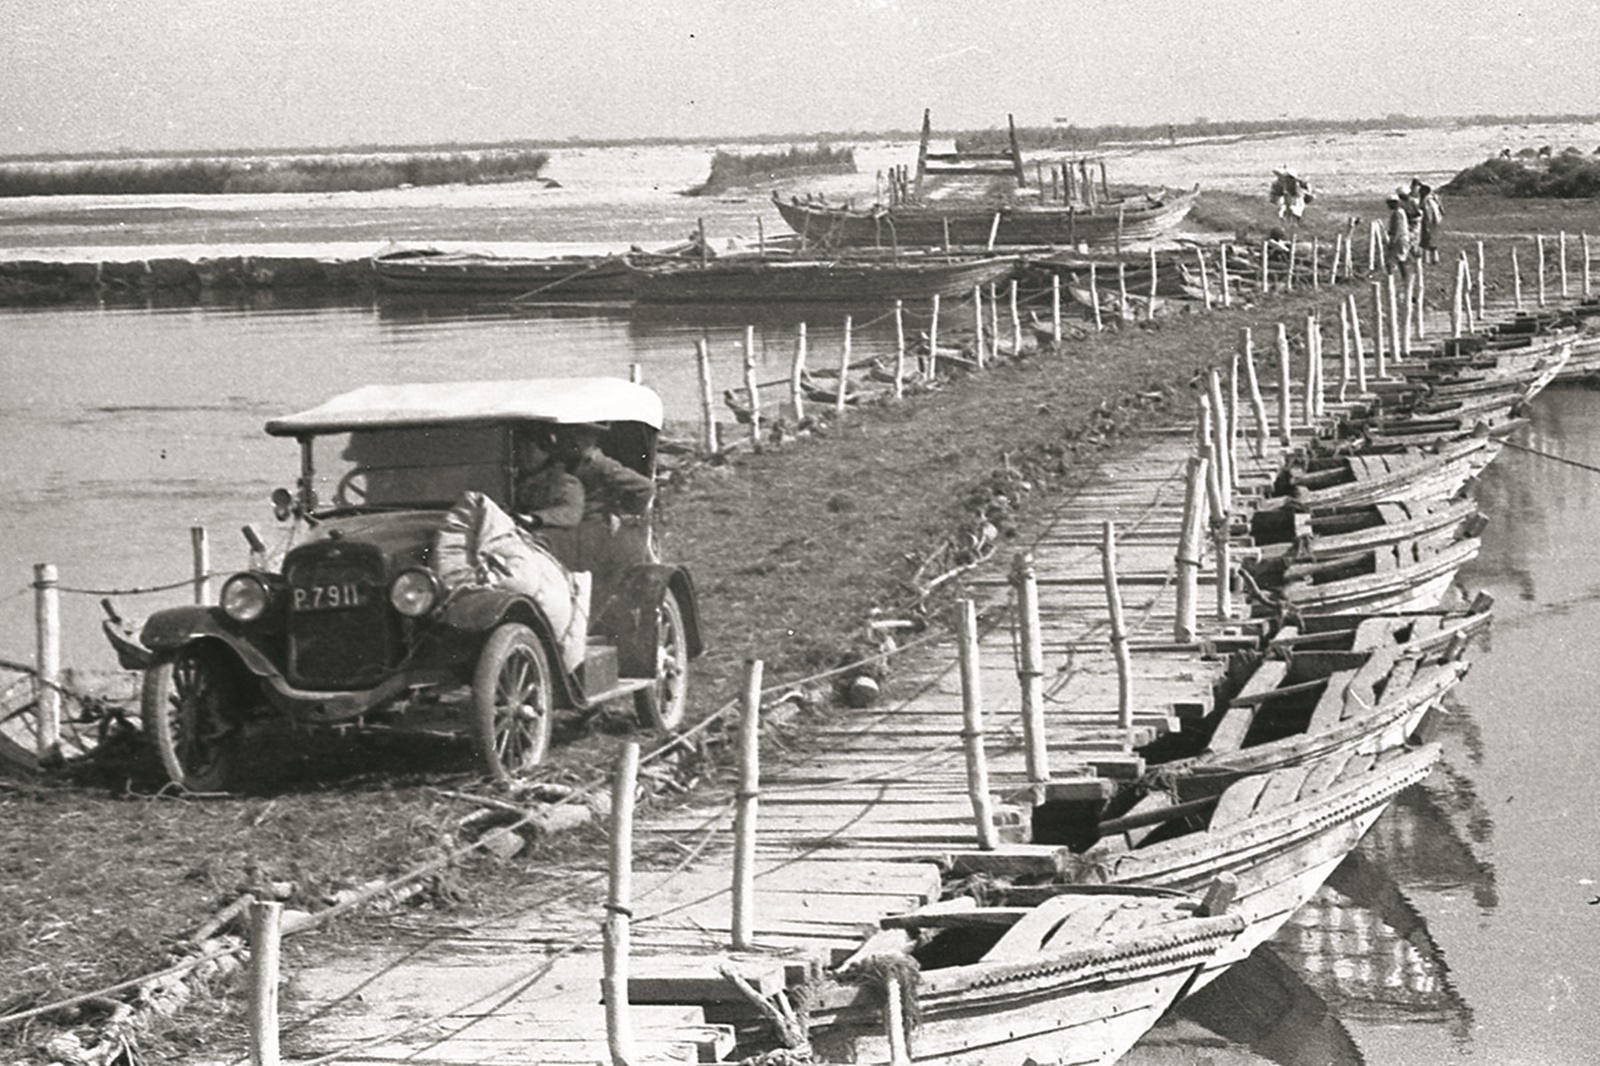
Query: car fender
pixel 479 610
pixel 172 628
pixel 628 618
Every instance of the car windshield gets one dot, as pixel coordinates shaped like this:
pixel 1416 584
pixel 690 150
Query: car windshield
pixel 411 467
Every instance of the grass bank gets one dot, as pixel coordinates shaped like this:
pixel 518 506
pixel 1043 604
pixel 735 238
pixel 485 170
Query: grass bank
pixel 731 169
pixel 331 173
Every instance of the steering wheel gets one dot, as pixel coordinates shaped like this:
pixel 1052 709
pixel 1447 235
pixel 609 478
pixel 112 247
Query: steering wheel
pixel 352 488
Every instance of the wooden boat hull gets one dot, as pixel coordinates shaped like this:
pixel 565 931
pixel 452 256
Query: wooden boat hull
pixel 1341 530
pixel 953 223
pixel 1085 995
pixel 1280 834
pixel 432 272
pixel 1384 475
pixel 764 280
pixel 1413 575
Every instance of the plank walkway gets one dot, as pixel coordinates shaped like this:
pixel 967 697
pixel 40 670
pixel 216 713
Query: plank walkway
pixel 847 835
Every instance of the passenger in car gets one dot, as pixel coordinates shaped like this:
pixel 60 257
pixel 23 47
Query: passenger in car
pixel 547 493
pixel 609 487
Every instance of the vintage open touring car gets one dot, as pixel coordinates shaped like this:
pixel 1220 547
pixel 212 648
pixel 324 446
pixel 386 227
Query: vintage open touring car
pixel 412 588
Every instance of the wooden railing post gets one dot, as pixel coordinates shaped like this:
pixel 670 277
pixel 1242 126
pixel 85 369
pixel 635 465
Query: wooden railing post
pixel 47 661
pixel 617 931
pixel 708 404
pixel 1257 404
pixel 266 928
pixel 972 728
pixel 745 808
pixel 1030 669
pixel 752 386
pixel 1119 632
pixel 1188 555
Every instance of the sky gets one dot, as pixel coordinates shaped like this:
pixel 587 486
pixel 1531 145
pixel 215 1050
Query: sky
pixel 175 75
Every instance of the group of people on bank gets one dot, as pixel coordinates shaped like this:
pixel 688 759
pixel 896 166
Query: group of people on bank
pixel 1415 215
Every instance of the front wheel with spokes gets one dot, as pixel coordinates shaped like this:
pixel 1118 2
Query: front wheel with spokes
pixel 513 705
pixel 189 712
pixel 662 705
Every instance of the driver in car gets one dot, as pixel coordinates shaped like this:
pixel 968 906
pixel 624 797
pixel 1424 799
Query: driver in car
pixel 548 495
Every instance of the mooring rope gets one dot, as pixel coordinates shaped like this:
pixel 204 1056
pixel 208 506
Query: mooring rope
pixel 1548 455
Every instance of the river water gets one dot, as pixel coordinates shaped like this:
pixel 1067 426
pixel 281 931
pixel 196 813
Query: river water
pixel 1466 928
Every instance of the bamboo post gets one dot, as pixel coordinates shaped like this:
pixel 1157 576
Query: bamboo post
pixel 1338 252
pixel 1155 283
pixel 1094 294
pixel 47 661
pixel 1205 436
pixel 1030 670
pixel 1188 556
pixel 1360 346
pixel 1539 242
pixel 1588 287
pixel 1227 285
pixel 1234 480
pixel 899 349
pixel 1221 554
pixel 1288 274
pixel 994 321
pixel 1516 280
pixel 844 369
pixel 797 376
pixel 1121 211
pixel 1205 280
pixel 972 729
pixel 1119 633
pixel 1316 264
pixel 977 323
pixel 1264 275
pixel 1561 263
pixel 1344 351
pixel 1016 322
pixel 1482 290
pixel 266 935
pixel 1350 251
pixel 1372 247
pixel 1402 339
pixel 1257 404
pixel 1123 311
pixel 1422 308
pixel 616 932
pixel 1313 386
pixel 1395 343
pixel 1055 309
pixel 1468 318
pixel 746 808
pixel 1285 400
pixel 1378 239
pixel 1379 339
pixel 752 386
pixel 1457 298
pixel 1219 440
pixel 708 410
pixel 200 546
pixel 933 341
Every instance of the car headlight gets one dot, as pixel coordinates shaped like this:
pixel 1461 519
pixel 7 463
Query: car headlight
pixel 245 597
pixel 414 593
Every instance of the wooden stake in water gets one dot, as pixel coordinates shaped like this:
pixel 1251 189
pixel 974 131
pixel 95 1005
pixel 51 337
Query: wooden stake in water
pixel 844 369
pixel 47 662
pixel 1030 669
pixel 972 728
pixel 977 324
pixel 1119 633
pixel 1094 295
pixel 899 349
pixel 1055 309
pixel 616 932
pixel 752 387
pixel 708 408
pixel 200 544
pixel 797 376
pixel 745 809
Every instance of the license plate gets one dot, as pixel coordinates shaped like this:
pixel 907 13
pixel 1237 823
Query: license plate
pixel 331 597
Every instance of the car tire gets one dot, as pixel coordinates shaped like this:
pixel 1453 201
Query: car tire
pixel 662 706
pixel 513 703
pixel 188 706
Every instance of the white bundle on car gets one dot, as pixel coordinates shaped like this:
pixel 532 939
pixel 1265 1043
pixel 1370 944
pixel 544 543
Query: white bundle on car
pixel 480 546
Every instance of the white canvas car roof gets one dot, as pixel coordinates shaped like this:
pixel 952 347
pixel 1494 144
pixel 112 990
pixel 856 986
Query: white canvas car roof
pixel 559 400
